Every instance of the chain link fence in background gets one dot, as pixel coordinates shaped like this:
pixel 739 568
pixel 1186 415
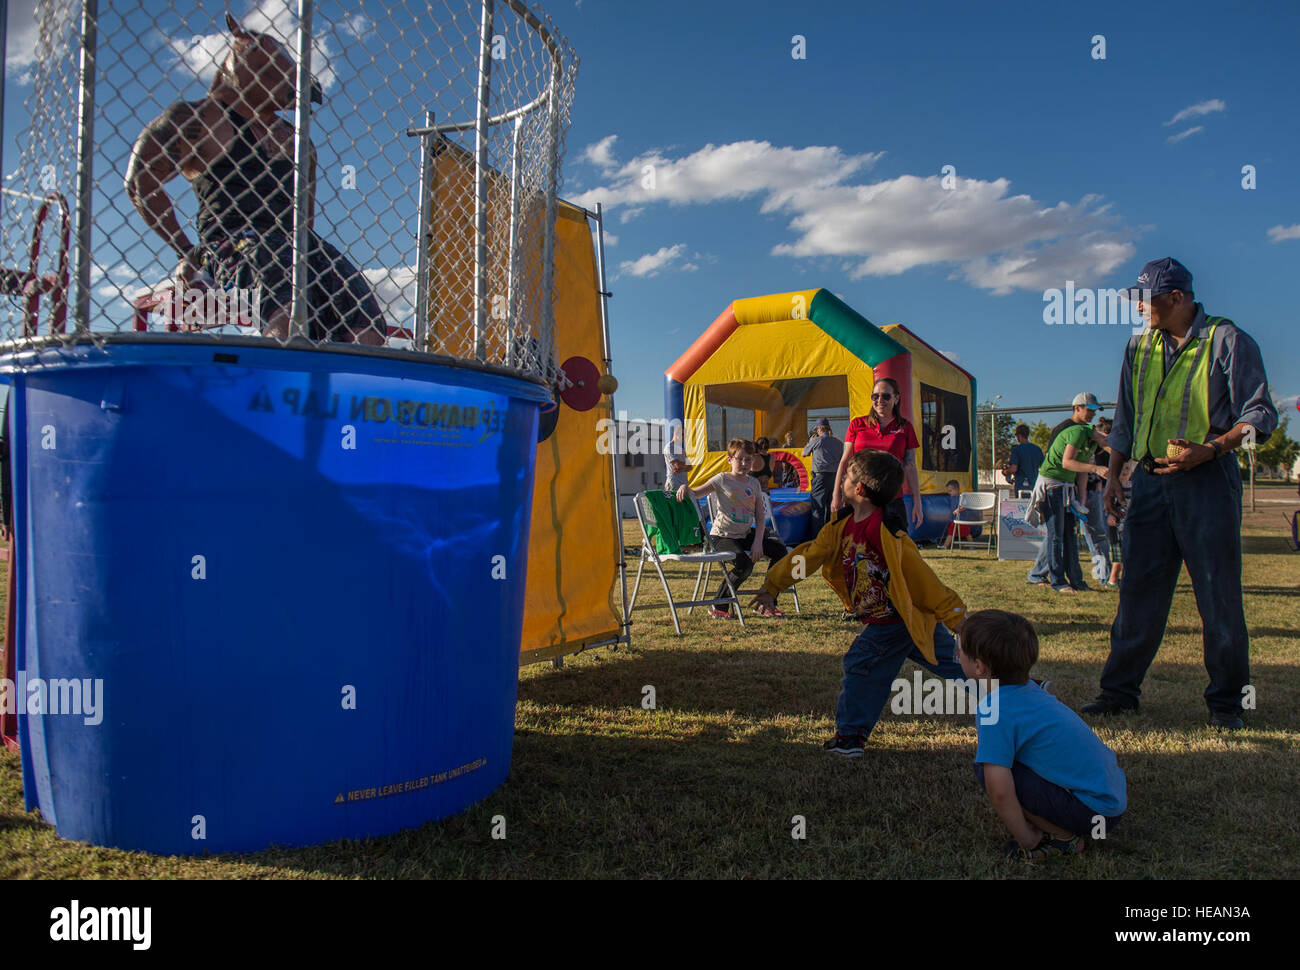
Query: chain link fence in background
pixel 158 186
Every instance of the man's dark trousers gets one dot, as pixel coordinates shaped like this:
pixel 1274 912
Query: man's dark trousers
pixel 822 485
pixel 1191 517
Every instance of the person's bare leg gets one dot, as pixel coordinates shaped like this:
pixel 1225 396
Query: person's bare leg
pixel 278 325
pixel 1115 569
pixel 370 337
pixel 1055 831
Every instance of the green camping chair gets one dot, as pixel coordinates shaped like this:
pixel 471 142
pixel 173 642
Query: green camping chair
pixel 705 558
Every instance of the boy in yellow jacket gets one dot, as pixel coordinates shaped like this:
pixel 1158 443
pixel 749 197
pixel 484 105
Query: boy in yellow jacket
pixel 882 580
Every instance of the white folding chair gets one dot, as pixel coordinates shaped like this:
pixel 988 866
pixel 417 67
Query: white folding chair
pixel 704 559
pixel 771 528
pixel 971 507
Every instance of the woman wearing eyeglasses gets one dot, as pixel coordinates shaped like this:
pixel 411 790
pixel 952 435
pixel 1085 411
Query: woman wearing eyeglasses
pixel 884 429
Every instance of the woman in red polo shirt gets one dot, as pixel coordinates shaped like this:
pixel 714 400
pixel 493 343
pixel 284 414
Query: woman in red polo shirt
pixel 883 429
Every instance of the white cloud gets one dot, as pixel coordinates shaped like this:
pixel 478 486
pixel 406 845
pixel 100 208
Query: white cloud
pixel 601 153
pixel 121 272
pixel 202 54
pixel 1282 233
pixel 955 358
pixel 1174 139
pixel 627 215
pixel 1284 404
pixel 997 242
pixel 395 289
pixel 358 26
pixel 651 264
pixel 734 171
pixel 1196 110
pixel 610 238
pixel 21 39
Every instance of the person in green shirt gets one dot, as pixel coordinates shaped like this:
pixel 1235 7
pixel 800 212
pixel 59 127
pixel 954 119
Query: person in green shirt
pixel 1066 464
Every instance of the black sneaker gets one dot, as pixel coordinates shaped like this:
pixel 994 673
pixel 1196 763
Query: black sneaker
pixel 1226 721
pixel 1050 846
pixel 845 745
pixel 1047 847
pixel 1107 705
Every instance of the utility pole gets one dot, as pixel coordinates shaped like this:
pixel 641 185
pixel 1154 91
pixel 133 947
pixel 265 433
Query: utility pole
pixel 993 445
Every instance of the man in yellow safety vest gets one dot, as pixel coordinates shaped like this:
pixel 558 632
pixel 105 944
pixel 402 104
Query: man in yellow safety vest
pixel 1192 389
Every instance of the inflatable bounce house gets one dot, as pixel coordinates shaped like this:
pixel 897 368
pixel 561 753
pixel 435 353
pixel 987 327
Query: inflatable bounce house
pixel 772 365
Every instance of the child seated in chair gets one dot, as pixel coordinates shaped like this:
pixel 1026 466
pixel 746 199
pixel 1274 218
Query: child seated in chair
pixel 953 488
pixel 741 523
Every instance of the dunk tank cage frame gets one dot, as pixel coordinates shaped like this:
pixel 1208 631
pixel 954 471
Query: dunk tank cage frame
pixel 310 444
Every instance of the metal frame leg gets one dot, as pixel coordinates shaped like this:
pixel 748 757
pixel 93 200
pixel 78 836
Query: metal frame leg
pixel 735 597
pixel 637 585
pixel 672 607
pixel 701 582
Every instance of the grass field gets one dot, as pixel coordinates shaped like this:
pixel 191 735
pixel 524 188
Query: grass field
pixel 707 784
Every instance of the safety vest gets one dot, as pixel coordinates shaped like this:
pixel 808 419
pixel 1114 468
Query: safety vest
pixel 1173 405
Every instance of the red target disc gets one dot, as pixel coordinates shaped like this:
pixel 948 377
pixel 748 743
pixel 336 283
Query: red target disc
pixel 579 383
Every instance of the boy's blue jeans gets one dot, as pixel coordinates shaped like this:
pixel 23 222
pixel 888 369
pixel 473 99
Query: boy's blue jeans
pixel 871 666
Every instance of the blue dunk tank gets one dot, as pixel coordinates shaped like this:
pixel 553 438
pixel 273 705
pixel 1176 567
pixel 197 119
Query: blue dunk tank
pixel 267 576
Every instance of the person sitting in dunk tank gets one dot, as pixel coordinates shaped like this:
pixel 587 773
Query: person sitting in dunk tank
pixel 237 153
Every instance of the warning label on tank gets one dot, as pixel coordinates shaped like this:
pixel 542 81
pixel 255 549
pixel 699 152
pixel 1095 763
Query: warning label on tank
pixel 407 785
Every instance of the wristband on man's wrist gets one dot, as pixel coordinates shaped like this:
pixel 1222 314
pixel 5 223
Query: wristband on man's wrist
pixel 1218 449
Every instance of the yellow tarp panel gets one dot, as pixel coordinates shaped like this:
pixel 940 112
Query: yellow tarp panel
pixel 761 353
pixel 931 368
pixel 573 550
pixel 451 256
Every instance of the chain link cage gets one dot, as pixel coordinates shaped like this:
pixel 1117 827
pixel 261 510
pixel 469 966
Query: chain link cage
pixel 379 174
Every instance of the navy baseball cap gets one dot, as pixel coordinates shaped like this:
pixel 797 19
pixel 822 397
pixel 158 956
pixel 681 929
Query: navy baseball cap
pixel 1160 276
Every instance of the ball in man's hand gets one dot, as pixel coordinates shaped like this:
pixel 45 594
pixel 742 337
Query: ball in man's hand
pixel 1173 451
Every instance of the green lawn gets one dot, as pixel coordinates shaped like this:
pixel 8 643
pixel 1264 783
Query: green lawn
pixel 707 784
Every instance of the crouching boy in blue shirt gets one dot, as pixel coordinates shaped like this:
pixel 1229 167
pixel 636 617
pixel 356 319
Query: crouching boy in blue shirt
pixel 1050 778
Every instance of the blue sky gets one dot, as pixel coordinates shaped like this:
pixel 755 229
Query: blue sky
pixel 776 173
pixel 1000 92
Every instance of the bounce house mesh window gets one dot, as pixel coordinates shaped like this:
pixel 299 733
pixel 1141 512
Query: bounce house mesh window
pixel 747 409
pixel 941 409
pixel 724 423
pixel 838 417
